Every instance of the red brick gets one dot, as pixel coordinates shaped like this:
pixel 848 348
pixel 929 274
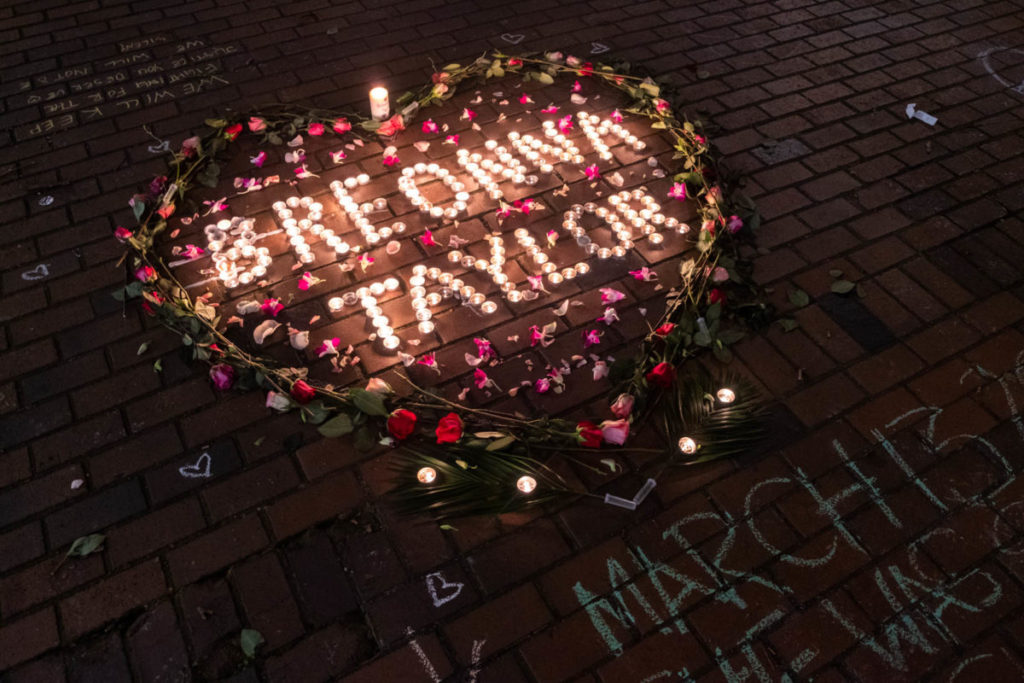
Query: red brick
pixel 395 665
pixel 216 549
pixel 112 597
pixel 492 620
pixel 24 639
pixel 26 359
pixel 157 529
pixel 39 494
pixel 155 645
pixel 564 650
pixel 590 568
pixel 942 340
pixel 881 371
pixel 825 400
pixel 250 488
pixel 516 556
pixel 322 500
pixel 267 600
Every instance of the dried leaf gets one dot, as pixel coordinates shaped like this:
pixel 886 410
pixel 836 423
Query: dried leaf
pixel 86 545
pixel 250 639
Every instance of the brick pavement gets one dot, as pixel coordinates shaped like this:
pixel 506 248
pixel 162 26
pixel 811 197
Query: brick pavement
pixel 879 538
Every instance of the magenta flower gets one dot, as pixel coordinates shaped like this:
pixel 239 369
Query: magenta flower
pixel 222 375
pixel 191 251
pixel 391 160
pixel 550 109
pixel 338 156
pixel 258 159
pixel 429 360
pixel 145 274
pixel 552 236
pixel 365 261
pixel 429 126
pixel 576 87
pixel 565 124
pixel 271 307
pixel 524 99
pixel 542 386
pixel 616 116
pixel 480 378
pixel 611 296
pixel 451 140
pixel 610 316
pixel 536 281
pixel 645 274
pixel 308 280
pixel 122 234
pixel 328 348
pixel 316 129
pixel 734 225
pixel 484 349
pixel 428 239
pixel 592 172
pixel 719 274
pixel 468 114
pixel 591 338
pixel 256 124
pixel 678 191
pixel 661 105
pixel 524 205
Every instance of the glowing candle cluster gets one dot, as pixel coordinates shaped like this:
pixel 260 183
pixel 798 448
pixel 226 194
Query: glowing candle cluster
pixel 450 286
pixel 595 129
pixel 407 184
pixel 357 213
pixel 298 229
pixel 367 298
pixel 623 219
pixel 539 153
pixel 242 262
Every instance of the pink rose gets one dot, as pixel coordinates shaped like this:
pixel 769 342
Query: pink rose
pixel 341 125
pixel 623 406
pixel 145 274
pixel 223 376
pixel 316 129
pixel 615 431
pixel 734 225
pixel 122 234
pixel 256 124
pixel 719 274
pixel 391 126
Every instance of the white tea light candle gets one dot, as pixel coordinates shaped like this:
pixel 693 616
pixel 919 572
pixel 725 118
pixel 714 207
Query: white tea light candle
pixel 380 108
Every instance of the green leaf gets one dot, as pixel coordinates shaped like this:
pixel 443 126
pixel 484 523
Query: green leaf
pixel 835 272
pixel 544 78
pixel 714 312
pixel 158 365
pixel 843 286
pixel 205 310
pixel 250 640
pixel 86 545
pixel 447 527
pixel 651 89
pixel 610 464
pixel 216 123
pixel 498 444
pixel 274 139
pixel 138 208
pixel 496 71
pixel 788 324
pixel 259 442
pixel 315 413
pixel 337 426
pixel 452 67
pixel 731 336
pixel 368 402
pixel 372 125
pixel 799 298
pixel 659 125
pixel 702 338
pixel 142 348
pixel 364 439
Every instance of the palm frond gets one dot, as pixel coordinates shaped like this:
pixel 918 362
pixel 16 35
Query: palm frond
pixel 472 481
pixel 720 429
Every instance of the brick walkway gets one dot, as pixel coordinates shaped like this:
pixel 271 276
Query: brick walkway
pixel 880 540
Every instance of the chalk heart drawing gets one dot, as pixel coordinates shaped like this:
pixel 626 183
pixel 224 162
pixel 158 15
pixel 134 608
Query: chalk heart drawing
pixel 985 57
pixel 442 591
pixel 512 38
pixel 164 146
pixel 37 273
pixel 598 48
pixel 199 470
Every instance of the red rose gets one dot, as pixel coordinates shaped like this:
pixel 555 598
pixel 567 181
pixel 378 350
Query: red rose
pixel 341 125
pixel 449 428
pixel 665 329
pixel 231 132
pixel 589 435
pixel 661 375
pixel 401 423
pixel 717 296
pixel 302 392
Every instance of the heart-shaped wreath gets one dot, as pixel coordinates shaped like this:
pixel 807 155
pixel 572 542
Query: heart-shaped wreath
pixel 454 459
